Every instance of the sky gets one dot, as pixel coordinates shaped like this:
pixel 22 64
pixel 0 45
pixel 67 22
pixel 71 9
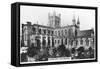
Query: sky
pixel 39 14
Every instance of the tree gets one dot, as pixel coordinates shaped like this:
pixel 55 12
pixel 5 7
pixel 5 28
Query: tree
pixel 62 51
pixel 32 51
pixel 23 57
pixel 81 53
pixel 91 52
pixel 80 49
pixel 42 55
pixel 67 53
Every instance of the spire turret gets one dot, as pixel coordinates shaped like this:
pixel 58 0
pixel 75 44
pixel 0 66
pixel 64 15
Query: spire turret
pixel 78 21
pixel 74 20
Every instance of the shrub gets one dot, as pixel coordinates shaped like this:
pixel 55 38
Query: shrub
pixel 62 51
pixel 23 57
pixel 81 53
pixel 32 51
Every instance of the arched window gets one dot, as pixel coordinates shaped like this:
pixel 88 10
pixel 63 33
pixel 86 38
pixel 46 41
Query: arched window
pixel 34 30
pixel 92 42
pixel 62 32
pixel 71 42
pixel 44 42
pixel 52 33
pixel 58 41
pixel 76 42
pixel 58 33
pixel 38 43
pixel 52 41
pixel 44 31
pixel 69 32
pixel 62 41
pixel 87 41
pixel 25 36
pixel 48 31
pixel 65 32
pixel 81 41
pixel 55 41
pixel 66 41
pixel 55 32
pixel 39 31
pixel 75 32
pixel 48 40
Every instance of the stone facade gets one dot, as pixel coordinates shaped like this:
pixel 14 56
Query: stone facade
pixel 55 35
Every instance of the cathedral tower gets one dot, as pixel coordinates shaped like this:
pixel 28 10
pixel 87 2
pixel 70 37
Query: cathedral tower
pixel 54 20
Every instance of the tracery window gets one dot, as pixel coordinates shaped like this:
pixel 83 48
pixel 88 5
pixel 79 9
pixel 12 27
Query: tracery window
pixel 62 32
pixel 58 33
pixel 39 31
pixel 66 41
pixel 87 41
pixel 81 41
pixel 34 30
pixel 65 32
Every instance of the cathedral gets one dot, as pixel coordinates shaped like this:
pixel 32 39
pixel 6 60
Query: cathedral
pixel 54 34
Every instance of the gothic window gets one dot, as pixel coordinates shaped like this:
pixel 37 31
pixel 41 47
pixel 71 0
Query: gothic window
pixel 34 30
pixel 25 37
pixel 76 42
pixel 62 32
pixel 38 43
pixel 52 32
pixel 48 40
pixel 44 31
pixel 58 41
pixel 48 31
pixel 81 41
pixel 25 34
pixel 52 41
pixel 44 42
pixel 55 32
pixel 39 31
pixel 62 41
pixel 58 33
pixel 75 32
pixel 66 41
pixel 92 42
pixel 69 32
pixel 87 41
pixel 58 23
pixel 52 21
pixel 55 41
pixel 65 32
pixel 71 42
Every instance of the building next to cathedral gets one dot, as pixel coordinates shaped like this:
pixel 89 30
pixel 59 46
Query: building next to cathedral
pixel 54 35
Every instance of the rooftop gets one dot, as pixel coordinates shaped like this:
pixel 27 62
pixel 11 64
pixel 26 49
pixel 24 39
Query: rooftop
pixel 85 33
